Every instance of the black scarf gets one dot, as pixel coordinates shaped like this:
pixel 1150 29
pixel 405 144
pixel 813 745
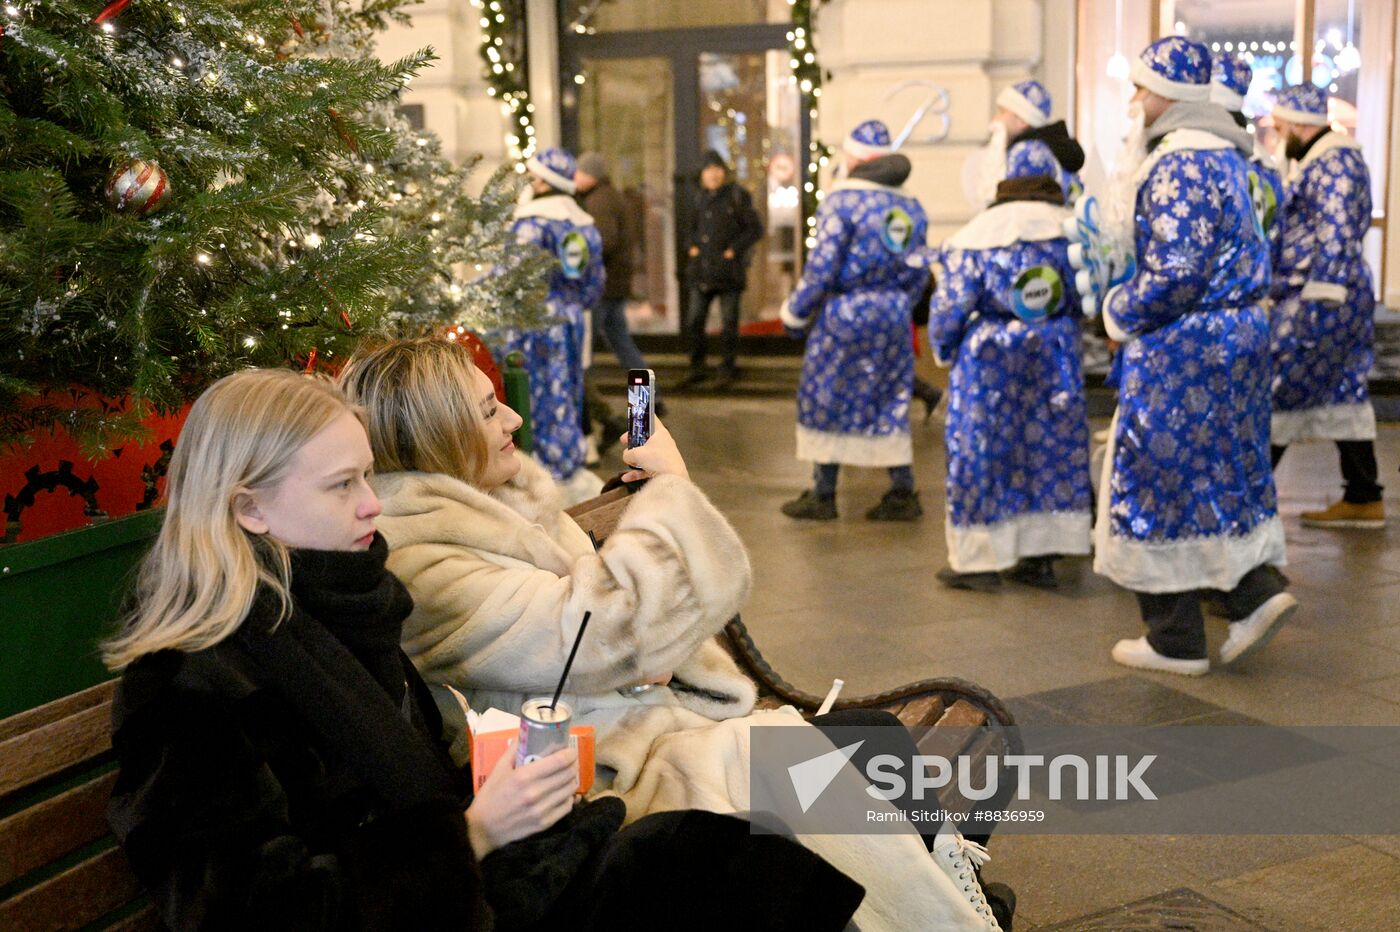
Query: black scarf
pixel 337 661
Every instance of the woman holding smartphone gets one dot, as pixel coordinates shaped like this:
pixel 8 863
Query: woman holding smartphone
pixel 501 578
pixel 282 763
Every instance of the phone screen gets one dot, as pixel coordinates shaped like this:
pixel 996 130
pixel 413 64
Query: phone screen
pixel 640 405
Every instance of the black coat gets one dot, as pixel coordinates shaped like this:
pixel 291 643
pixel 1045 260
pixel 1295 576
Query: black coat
pixel 721 220
pixel 296 778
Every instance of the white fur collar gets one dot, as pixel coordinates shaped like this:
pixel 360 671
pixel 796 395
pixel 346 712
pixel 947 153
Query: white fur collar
pixel 860 184
pixel 1181 140
pixel 422 507
pixel 1006 224
pixel 1332 140
pixel 555 207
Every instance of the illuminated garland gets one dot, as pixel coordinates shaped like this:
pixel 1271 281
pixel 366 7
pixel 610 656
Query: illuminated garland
pixel 505 82
pixel 807 75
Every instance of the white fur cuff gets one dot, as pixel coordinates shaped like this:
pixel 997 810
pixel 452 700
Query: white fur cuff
pixel 1324 291
pixel 1115 332
pixel 790 319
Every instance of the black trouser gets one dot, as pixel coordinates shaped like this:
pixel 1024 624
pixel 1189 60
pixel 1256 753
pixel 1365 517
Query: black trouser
pixel 1359 470
pixel 889 736
pixel 699 314
pixel 1177 629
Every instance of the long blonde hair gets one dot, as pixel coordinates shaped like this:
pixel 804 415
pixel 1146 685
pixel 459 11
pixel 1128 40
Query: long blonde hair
pixel 421 409
pixel 197 584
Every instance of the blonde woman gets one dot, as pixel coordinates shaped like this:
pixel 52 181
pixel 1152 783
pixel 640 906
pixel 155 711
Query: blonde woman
pixel 282 763
pixel 501 578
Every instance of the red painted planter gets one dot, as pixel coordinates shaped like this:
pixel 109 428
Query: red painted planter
pixel 49 486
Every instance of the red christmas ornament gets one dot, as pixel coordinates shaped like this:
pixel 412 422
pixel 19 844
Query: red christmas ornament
pixel 310 362
pixel 112 9
pixel 138 186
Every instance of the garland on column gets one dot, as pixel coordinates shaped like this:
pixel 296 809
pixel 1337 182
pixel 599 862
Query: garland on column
pixel 807 75
pixel 504 81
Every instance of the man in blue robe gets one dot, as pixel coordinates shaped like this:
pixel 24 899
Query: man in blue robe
pixel 1187 503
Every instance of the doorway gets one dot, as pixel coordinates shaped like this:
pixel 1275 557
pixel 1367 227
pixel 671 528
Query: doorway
pixel 652 101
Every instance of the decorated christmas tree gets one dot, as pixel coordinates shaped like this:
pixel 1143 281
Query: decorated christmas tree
pixel 192 186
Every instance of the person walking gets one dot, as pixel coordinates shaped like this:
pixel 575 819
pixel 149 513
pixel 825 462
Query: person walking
pixel 616 226
pixel 1231 76
pixel 1025 141
pixel 1188 503
pixel 1006 318
pixel 552 220
pixel 859 284
pixel 1324 325
pixel 723 228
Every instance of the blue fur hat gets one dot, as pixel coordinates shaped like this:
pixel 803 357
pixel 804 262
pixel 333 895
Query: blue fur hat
pixel 1305 104
pixel 1230 78
pixel 1175 68
pixel 1029 100
pixel 554 166
pixel 869 140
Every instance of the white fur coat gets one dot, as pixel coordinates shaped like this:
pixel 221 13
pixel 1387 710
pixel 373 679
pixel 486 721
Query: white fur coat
pixel 500 583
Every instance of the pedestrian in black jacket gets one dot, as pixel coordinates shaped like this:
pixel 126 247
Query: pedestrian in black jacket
pixel 723 228
pixel 283 765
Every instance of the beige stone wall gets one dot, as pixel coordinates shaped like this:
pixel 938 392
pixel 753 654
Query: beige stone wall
pixel 974 48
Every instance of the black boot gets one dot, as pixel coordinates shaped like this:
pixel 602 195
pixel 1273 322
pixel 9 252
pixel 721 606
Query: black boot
pixel 695 378
pixel 975 582
pixel 1035 571
pixel 1002 899
pixel 811 506
pixel 897 505
pixel 930 395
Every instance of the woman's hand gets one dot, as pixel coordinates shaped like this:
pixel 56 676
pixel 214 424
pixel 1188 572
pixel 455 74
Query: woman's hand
pixel 517 802
pixel 657 457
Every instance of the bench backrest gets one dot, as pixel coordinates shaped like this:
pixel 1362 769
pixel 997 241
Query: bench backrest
pixel 59 865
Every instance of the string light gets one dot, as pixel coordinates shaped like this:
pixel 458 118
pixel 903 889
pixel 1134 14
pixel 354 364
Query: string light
pixel 504 83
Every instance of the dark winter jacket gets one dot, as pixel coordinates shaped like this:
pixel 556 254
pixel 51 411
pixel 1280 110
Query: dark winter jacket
pixel 617 224
pixel 1066 149
pixel 722 220
pixel 296 779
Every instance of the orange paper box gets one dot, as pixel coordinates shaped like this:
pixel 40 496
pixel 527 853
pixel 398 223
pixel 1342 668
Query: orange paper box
pixel 488 748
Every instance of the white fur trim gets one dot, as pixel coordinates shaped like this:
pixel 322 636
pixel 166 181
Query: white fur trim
pixel 1326 422
pixel 555 208
pixel 1181 140
pixel 1324 291
pixel 1115 332
pixel 580 487
pixel 1332 140
pixel 1225 97
pixel 860 184
pixel 543 172
pixel 987 548
pixel 1143 76
pixel 864 151
pixel 1006 224
pixel 1020 104
pixel 1301 117
pixel 818 446
pixel 790 319
pixel 1217 562
pixel 938 359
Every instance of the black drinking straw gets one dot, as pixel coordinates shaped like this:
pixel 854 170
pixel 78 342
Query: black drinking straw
pixel 568 664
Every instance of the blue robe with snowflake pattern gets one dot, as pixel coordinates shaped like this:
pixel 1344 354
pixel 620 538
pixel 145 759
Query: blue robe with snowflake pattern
pixel 1324 316
pixel 1188 500
pixel 554 354
pixel 857 289
pixel 1006 317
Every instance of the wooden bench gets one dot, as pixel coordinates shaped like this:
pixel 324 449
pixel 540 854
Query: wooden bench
pixel 948 716
pixel 59 865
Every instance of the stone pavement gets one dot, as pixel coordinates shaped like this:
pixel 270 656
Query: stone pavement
pixel 859 601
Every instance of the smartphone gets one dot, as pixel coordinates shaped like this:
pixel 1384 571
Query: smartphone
pixel 641 406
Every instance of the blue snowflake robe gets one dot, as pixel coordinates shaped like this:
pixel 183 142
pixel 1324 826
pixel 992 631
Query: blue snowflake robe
pixel 1324 319
pixel 856 292
pixel 1187 499
pixel 1006 317
pixel 554 355
pixel 1034 157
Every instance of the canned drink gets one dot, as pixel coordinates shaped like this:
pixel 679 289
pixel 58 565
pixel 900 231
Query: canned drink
pixel 542 730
